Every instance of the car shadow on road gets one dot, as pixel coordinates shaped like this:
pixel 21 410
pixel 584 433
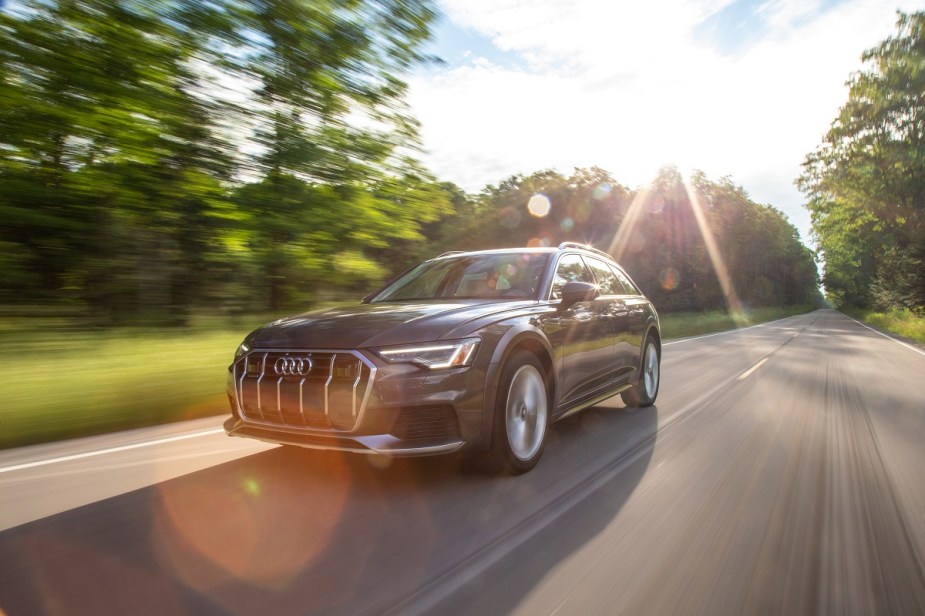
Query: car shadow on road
pixel 297 531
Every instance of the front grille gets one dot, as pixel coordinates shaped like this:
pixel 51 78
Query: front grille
pixel 305 388
pixel 426 423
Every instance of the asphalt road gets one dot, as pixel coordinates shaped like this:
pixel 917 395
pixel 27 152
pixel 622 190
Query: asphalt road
pixel 781 472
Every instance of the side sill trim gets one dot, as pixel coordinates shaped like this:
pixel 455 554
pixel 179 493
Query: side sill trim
pixel 595 400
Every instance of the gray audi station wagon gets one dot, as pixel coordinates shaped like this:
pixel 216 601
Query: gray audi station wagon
pixel 473 351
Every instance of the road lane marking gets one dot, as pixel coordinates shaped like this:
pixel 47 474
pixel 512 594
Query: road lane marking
pixel 162 462
pixel 749 372
pixel 100 452
pixel 888 337
pixel 730 331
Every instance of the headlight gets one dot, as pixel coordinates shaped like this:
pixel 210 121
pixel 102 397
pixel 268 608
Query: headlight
pixel 435 355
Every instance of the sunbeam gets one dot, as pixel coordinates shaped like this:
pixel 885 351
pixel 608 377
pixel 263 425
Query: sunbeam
pixel 733 305
pixel 631 220
pixel 619 242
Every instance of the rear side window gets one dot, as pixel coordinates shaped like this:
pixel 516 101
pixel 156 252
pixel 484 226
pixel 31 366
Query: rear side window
pixel 571 268
pixel 630 287
pixel 606 279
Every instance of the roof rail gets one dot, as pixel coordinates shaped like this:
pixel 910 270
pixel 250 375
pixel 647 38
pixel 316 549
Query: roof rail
pixel 584 246
pixel 450 252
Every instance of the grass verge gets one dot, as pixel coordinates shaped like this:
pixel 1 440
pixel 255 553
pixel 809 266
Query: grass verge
pixel 61 382
pixel 684 324
pixel 903 323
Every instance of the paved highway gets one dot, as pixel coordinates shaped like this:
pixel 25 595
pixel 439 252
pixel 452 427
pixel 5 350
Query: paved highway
pixel 781 472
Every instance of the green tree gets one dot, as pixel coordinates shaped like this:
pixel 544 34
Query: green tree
pixel 542 209
pixel 336 140
pixel 663 249
pixel 123 132
pixel 865 183
pixel 111 171
pixel 767 263
pixel 305 238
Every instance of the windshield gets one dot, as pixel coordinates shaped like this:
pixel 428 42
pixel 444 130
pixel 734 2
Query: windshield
pixel 484 276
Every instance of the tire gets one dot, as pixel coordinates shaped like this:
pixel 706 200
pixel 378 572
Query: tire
pixel 645 390
pixel 521 416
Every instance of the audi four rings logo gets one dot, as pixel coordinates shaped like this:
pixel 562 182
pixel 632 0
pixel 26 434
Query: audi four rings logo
pixel 293 366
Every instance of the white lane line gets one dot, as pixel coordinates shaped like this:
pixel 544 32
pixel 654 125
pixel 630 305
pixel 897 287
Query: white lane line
pixel 749 372
pixel 730 331
pixel 162 462
pixel 888 337
pixel 100 452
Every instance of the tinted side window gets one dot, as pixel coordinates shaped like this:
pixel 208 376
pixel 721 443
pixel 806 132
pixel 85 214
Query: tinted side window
pixel 570 268
pixel 606 279
pixel 630 287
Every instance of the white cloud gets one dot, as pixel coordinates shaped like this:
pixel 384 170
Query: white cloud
pixel 631 86
pixel 783 13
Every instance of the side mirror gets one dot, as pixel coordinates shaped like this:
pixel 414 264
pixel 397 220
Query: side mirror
pixel 574 292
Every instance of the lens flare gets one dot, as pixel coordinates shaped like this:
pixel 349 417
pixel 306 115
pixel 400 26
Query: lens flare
pixel 379 462
pixel 252 487
pixel 567 224
pixel 601 191
pixel 637 242
pixel 213 534
pixel 656 204
pixel 669 278
pixel 539 205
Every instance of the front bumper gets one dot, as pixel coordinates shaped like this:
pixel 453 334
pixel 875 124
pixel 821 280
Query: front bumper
pixel 392 409
pixel 371 443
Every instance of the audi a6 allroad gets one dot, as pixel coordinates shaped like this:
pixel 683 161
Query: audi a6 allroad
pixel 473 351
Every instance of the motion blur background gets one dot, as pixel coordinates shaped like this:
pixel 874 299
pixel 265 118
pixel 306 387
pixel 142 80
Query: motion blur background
pixel 174 173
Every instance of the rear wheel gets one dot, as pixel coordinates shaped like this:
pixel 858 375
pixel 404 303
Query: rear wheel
pixel 521 416
pixel 645 389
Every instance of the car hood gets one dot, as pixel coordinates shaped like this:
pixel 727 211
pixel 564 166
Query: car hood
pixel 370 325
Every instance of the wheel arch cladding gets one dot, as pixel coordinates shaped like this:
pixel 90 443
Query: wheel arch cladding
pixel 542 354
pixel 520 340
pixel 531 342
pixel 653 331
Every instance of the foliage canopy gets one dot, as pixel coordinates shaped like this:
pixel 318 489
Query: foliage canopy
pixel 866 182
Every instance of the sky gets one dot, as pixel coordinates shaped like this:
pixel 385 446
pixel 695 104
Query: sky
pixel 741 88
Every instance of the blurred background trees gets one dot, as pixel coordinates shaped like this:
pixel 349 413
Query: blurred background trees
pixel 866 181
pixel 156 157
pixel 161 158
pixel 112 175
pixel 662 247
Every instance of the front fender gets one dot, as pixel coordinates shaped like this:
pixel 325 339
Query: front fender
pixel 517 336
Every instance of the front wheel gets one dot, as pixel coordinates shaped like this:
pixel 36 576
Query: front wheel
pixel 645 389
pixel 521 416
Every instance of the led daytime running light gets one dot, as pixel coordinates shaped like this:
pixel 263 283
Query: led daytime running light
pixel 434 356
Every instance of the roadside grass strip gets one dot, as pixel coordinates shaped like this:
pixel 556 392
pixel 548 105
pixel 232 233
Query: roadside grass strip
pixel 904 323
